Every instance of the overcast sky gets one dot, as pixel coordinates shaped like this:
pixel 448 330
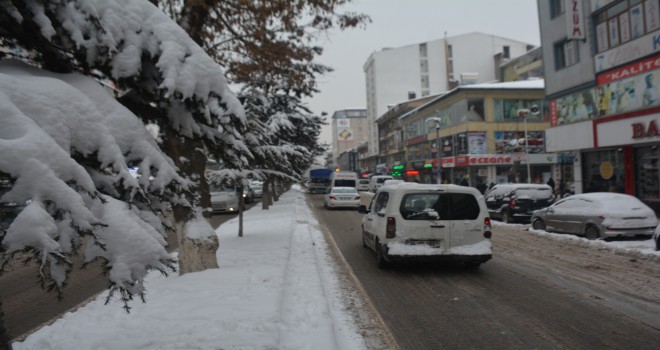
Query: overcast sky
pixel 399 23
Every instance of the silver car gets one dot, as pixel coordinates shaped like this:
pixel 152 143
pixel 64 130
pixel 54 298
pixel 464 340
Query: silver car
pixel 597 215
pixel 341 197
pixel 224 198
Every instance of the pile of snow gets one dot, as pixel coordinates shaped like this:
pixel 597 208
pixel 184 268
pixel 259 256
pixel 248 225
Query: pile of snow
pixel 276 288
pixel 644 246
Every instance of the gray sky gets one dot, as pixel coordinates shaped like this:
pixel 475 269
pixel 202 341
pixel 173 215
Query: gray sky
pixel 403 22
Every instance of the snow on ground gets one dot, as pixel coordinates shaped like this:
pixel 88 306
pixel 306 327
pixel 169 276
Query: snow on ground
pixel 644 247
pixel 276 288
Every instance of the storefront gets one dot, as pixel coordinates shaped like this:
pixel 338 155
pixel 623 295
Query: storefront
pixel 627 160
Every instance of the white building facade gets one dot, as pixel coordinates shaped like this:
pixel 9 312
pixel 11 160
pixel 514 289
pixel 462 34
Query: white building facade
pixel 602 70
pixel 397 74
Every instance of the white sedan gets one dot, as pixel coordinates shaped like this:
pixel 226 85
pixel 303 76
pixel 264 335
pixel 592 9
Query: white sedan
pixel 342 197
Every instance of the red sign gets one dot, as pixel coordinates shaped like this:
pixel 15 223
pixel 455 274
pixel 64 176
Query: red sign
pixel 462 161
pixel 553 113
pixel 490 159
pixel 576 19
pixel 448 162
pixel 416 140
pixel 412 172
pixel 629 70
pixel 641 131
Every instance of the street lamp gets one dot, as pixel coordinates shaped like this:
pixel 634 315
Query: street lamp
pixel 437 122
pixel 522 113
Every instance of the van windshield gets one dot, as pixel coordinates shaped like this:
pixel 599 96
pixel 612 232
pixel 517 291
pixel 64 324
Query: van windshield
pixel 439 206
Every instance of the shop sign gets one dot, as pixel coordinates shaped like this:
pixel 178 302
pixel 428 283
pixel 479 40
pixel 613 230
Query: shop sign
pixel 416 140
pixel 637 68
pixel 575 20
pixel 490 159
pixel 606 170
pixel 628 52
pixel 448 162
pixel 641 130
pixel 462 161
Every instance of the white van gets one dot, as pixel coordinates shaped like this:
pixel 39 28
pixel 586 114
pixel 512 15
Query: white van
pixel 377 182
pixel 343 179
pixel 363 185
pixel 410 221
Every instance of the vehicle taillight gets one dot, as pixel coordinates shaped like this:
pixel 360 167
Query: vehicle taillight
pixel 512 202
pixel 487 232
pixel 357 197
pixel 333 198
pixel 390 231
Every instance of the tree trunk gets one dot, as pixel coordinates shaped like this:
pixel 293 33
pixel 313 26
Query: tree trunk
pixel 194 254
pixel 241 207
pixel 265 195
pixel 276 193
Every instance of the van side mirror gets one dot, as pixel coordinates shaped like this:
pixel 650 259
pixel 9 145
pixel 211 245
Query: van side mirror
pixel 362 209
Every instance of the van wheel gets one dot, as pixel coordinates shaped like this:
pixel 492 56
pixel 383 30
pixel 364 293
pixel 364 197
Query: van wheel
pixel 506 217
pixel 538 224
pixel 591 232
pixel 380 256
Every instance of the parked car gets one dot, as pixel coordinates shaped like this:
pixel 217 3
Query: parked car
pixel 377 181
pixel 517 202
pixel 257 188
pixel 363 185
pixel 224 198
pixel 656 237
pixel 410 221
pixel 341 197
pixel 598 215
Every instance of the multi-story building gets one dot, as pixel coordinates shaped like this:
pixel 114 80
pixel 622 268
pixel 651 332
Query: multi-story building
pixel 349 129
pixel 430 68
pixel 602 65
pixel 474 134
pixel 391 137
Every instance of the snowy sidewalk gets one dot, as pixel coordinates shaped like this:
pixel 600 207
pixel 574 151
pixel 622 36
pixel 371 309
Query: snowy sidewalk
pixel 276 288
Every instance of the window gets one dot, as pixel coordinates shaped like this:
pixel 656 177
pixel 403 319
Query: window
pixel 380 203
pixel 556 8
pixel 566 54
pixel 624 21
pixel 439 206
pixel 506 52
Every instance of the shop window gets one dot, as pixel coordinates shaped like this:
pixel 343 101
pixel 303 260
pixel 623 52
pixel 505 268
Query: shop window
pixel 604 171
pixel 647 173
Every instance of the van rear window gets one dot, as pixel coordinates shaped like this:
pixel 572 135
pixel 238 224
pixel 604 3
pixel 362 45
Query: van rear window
pixel 439 206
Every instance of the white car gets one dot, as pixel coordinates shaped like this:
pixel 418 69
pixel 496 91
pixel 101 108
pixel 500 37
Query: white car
pixel 224 198
pixel 377 182
pixel 363 185
pixel 407 221
pixel 597 215
pixel 656 237
pixel 341 197
pixel 257 188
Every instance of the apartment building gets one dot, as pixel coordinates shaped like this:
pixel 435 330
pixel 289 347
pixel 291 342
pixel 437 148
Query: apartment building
pixel 474 134
pixel 349 129
pixel 602 65
pixel 430 68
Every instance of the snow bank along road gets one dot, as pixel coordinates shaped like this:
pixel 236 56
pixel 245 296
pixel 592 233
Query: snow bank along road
pixel 538 292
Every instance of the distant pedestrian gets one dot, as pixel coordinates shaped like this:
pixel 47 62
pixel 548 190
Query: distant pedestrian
pixel 481 186
pixel 464 182
pixel 551 183
pixel 562 187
